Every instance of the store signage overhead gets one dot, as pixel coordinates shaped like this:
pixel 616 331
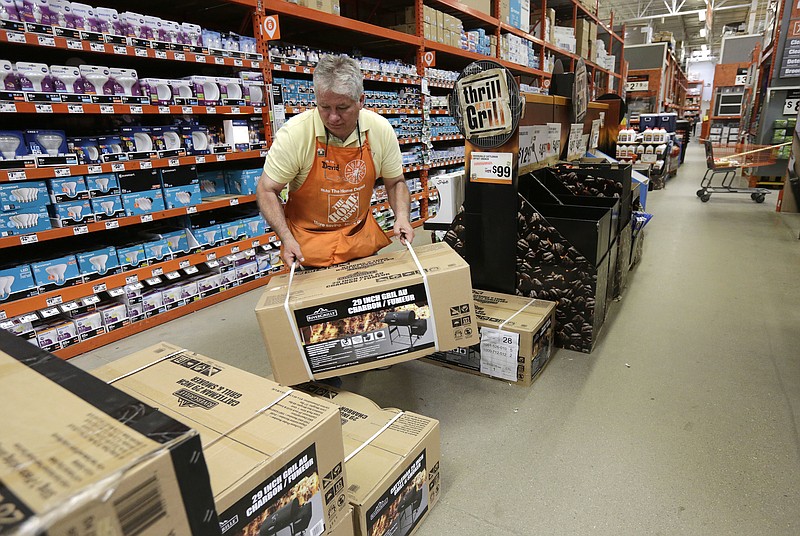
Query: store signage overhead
pixel 484 100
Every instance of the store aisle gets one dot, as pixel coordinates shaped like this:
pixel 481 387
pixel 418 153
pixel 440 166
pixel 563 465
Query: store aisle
pixel 684 420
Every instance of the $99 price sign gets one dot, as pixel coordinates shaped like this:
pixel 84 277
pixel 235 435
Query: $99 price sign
pixel 496 168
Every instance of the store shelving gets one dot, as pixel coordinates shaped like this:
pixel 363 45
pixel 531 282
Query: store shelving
pixel 123 109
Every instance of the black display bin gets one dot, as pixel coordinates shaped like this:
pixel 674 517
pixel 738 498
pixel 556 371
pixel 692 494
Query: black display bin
pixel 544 187
pixel 599 180
pixel 586 228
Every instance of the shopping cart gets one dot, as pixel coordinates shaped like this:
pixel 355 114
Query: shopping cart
pixel 725 160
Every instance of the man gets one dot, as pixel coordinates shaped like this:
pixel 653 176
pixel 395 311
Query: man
pixel 331 157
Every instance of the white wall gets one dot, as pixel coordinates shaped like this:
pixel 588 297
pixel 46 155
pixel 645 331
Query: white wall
pixel 704 70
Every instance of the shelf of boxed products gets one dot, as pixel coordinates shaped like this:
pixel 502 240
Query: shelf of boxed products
pixel 124 109
pixel 414 167
pixel 289 9
pixel 13 175
pixel 79 291
pixel 446 162
pixel 382 204
pixel 368 75
pixel 292 110
pixel 442 84
pixel 448 137
pixel 152 321
pixel 208 57
pixel 516 31
pixel 114 223
pixel 457 7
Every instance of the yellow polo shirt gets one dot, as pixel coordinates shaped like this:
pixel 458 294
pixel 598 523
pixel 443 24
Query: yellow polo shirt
pixel 291 155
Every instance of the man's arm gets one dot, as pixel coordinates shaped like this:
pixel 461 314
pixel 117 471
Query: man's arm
pixel 400 201
pixel 269 203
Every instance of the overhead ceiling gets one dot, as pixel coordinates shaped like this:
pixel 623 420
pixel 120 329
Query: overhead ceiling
pixel 683 19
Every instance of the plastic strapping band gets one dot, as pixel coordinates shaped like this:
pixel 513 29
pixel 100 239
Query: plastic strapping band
pixel 427 295
pixel 256 414
pixel 371 439
pixel 143 367
pixel 515 314
pixel 293 324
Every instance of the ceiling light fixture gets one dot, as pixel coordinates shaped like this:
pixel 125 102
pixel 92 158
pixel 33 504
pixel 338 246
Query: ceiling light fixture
pixel 703 32
pixel 701 15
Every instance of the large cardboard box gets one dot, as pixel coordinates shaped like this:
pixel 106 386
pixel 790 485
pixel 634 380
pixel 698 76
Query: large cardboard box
pixel 77 453
pixel 367 313
pixel 484 6
pixel 392 463
pixel 345 526
pixel 526 345
pixel 274 454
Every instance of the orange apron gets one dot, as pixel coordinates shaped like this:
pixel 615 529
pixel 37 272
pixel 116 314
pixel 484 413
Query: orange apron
pixel 330 214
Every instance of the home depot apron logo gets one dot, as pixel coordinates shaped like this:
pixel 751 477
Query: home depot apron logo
pixel 342 208
pixel 355 171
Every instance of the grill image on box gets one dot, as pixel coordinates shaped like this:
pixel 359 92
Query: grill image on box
pixel 408 507
pixel 416 327
pixel 293 517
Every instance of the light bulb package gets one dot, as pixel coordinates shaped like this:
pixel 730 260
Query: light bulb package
pixel 209 285
pixel 178 176
pixel 53 273
pixel 237 133
pixel 192 35
pixel 102 184
pixel 137 142
pixel 247 269
pixel 8 10
pixel 169 32
pixel 207 236
pixel 141 180
pixel 111 149
pixel 189 290
pixel 177 241
pixel 182 92
pixel 152 303
pixel 157 250
pixel 25 221
pixel 137 203
pixel 17 282
pixel 86 149
pixel 231 91
pixel 33 11
pixel 23 330
pixel 206 89
pixel 255 93
pixel 211 183
pixel 50 148
pixel 98 263
pixel 107 207
pixel 171 296
pixel 211 39
pixel 125 82
pixel 254 226
pixel 114 316
pixel 71 213
pixel 47 337
pixel 157 90
pixel 12 144
pixel 89 325
pixel 21 195
pixel 196 139
pixel 131 256
pixel 182 196
pixel 96 80
pixel 242 181
pixel 9 78
pixel 67 189
pixel 232 230
pixel 110 22
pixel 168 141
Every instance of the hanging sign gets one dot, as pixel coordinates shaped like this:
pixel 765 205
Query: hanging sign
pixel 429 58
pixel 741 77
pixel 493 168
pixel 791 105
pixel 594 138
pixel 270 28
pixel 552 151
pixel 534 147
pixel 484 99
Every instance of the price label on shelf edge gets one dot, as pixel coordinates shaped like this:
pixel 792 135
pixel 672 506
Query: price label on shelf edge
pixel 55 300
pixel 91 170
pixel 112 224
pixel 97 289
pixel 47 41
pixel 80 230
pixel 140 52
pixel 137 110
pixel 63 172
pixel 115 167
pixel 43 108
pixel 17 175
pixel 145 164
pixel 106 108
pixel 494 168
pixel 28 239
pixel 791 106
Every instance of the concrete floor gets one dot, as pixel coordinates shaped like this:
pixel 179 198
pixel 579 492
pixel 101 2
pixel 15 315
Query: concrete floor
pixel 684 420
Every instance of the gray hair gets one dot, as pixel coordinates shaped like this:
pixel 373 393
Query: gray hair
pixel 339 74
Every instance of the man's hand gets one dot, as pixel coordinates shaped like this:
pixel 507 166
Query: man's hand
pixel 290 252
pixel 404 231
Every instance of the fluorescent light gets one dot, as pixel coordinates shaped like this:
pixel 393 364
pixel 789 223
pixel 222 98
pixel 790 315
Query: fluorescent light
pixel 703 32
pixel 701 15
pixel 704 48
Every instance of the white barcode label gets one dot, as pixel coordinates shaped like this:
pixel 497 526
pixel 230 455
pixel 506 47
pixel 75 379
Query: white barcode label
pixel 17 175
pixel 172 275
pixel 47 41
pixel 91 300
pixel 55 300
pixel 318 529
pixel 222 158
pixel 191 270
pixel 141 52
pixel 163 109
pixel 180 56
pixel 211 109
pixel 112 224
pixel 47 313
pixel 235 249
pixel 263 153
pixel 80 230
pixel 29 239
pixel 191 210
pixel 174 162
pixel 131 279
pixel 145 164
pixel 140 508
pixel 8 107
pixel 257 110
pixel 200 59
pixel 97 47
pixel 157 271
pixel 94 169
pixel 187 109
pixel 146 218
pixel 106 108
pixel 256 65
pixel 211 256
pixel 63 172
pixel 219 61
pixel 116 167
pixel 236 110
pixel 238 63
pixel 15 37
pixel 74 45
pixel 161 54
pixel 184 264
pixel 44 108
pixel 99 288
pixel 116 292
pixel 234 201
pixel 136 110
pixel 120 49
pixel 200 159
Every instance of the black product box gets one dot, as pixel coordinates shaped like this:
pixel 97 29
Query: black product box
pixel 140 180
pixel 625 241
pixel 133 461
pixel 178 176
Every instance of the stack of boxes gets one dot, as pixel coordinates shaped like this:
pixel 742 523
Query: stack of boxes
pixel 327 6
pixel 564 38
pixel 585 35
pixel 516 13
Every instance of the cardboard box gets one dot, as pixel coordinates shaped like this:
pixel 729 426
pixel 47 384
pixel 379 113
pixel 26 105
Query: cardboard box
pixel 394 479
pixel 484 6
pixel 345 527
pixel 274 455
pixel 113 460
pixel 367 313
pixel 528 323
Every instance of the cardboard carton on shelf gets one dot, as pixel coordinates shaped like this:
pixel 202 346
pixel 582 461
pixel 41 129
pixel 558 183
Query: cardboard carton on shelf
pixel 519 359
pixel 274 455
pixel 78 452
pixel 392 462
pixel 367 313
